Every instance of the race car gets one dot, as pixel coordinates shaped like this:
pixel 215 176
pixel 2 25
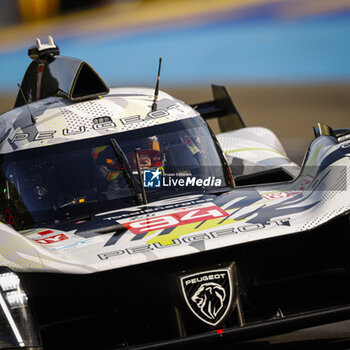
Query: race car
pixel 126 223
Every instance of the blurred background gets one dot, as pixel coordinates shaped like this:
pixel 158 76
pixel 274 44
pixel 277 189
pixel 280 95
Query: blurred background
pixel 286 63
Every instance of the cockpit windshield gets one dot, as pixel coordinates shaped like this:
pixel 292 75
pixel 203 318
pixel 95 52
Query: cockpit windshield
pixel 79 179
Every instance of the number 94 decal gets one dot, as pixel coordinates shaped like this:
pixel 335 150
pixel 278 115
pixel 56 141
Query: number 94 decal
pixel 175 218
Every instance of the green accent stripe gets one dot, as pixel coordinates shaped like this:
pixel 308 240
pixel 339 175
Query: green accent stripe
pixel 255 149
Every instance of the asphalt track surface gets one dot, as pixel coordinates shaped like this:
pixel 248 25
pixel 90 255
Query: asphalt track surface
pixel 288 107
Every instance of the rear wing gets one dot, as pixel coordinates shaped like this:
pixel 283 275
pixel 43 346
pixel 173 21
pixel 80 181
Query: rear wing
pixel 222 108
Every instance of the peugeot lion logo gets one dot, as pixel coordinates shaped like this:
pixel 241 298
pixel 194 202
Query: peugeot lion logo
pixel 208 294
pixel 210 299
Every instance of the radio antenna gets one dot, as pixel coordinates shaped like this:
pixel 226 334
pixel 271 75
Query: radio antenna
pixel 154 105
pixel 25 100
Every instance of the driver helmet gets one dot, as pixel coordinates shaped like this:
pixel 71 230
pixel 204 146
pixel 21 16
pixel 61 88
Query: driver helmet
pixel 150 156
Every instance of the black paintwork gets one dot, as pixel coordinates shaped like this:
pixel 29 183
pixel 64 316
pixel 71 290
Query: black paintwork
pixel 66 77
pixel 140 304
pixel 223 108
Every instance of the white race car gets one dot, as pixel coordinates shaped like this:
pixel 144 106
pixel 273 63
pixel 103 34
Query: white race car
pixel 126 223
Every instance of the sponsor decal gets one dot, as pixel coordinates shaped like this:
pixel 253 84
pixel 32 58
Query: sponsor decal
pixel 52 239
pixel 177 218
pixel 285 194
pixel 101 120
pixel 197 237
pixel 174 203
pixel 208 294
pixel 277 195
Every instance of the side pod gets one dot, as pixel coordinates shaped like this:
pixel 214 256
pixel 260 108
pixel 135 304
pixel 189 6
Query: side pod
pixel 223 108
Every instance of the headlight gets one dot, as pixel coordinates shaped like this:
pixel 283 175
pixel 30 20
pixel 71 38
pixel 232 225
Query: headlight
pixel 17 328
pixel 16 298
pixel 9 281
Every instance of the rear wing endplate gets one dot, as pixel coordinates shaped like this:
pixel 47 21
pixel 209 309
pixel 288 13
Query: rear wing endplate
pixel 222 108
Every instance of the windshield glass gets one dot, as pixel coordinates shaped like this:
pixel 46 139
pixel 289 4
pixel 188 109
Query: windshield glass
pixel 77 179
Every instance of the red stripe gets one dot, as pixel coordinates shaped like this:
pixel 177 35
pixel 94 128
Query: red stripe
pixel 44 232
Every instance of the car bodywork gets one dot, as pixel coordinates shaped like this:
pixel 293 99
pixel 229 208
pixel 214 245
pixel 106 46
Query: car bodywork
pixel 265 252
